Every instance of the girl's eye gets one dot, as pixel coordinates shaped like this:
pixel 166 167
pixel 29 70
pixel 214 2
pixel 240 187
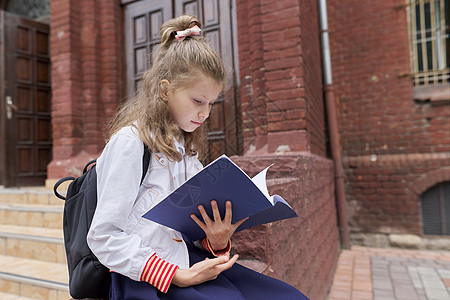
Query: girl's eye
pixel 211 103
pixel 197 101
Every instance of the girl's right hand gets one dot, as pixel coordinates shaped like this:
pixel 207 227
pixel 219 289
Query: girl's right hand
pixel 203 271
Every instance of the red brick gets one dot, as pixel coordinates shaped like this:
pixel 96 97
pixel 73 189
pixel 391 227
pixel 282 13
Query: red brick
pixel 78 45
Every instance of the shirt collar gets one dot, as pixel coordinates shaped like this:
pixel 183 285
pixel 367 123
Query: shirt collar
pixel 179 145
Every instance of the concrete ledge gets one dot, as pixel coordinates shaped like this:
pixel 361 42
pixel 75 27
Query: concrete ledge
pixel 403 241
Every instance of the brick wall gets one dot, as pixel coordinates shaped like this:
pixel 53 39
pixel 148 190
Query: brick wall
pixel 370 55
pixel 281 87
pixel 87 80
pixel 300 251
pixel 383 191
pixel 282 110
pixel 312 75
pixel 388 140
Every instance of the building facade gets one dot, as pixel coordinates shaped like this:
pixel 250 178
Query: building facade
pixel 380 163
pixel 391 75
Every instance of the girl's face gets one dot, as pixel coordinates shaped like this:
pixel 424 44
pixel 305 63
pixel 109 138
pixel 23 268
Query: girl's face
pixel 191 106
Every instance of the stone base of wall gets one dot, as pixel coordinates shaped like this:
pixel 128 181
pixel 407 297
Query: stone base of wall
pixel 72 166
pixel 301 251
pixel 406 241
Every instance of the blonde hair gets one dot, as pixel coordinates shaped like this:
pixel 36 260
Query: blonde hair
pixel 182 64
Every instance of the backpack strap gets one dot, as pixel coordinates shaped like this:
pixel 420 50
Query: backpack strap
pixel 145 165
pixel 58 183
pixel 88 164
pixel 145 162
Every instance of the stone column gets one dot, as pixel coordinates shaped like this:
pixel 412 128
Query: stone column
pixel 87 81
pixel 284 124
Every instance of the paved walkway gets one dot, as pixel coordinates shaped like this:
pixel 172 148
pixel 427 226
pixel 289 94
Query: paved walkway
pixel 391 274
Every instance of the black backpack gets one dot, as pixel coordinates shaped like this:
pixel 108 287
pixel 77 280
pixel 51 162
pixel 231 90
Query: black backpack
pixel 88 278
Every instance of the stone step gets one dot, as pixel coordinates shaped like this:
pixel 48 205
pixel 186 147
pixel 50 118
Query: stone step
pixel 33 279
pixel 29 195
pixel 45 244
pixel 5 296
pixel 37 215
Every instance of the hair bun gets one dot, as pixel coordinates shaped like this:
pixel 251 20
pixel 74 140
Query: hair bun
pixel 169 29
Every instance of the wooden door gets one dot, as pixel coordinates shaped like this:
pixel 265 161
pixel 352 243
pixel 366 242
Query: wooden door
pixel 143 18
pixel 25 115
pixel 217 26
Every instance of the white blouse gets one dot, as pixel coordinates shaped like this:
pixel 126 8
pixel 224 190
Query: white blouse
pixel 120 238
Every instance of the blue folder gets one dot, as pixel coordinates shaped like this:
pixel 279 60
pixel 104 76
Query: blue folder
pixel 221 180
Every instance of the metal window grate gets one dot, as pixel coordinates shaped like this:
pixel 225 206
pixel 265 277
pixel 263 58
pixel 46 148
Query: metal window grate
pixel 436 210
pixel 430 41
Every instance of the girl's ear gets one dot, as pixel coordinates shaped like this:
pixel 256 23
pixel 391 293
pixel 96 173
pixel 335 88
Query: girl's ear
pixel 164 86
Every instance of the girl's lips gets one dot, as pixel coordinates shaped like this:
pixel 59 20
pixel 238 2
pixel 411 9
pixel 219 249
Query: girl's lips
pixel 197 123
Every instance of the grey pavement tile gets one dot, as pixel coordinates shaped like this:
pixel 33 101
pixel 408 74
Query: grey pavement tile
pixel 426 270
pixel 378 258
pixel 383 294
pixel 417 283
pixel 402 279
pixel 434 265
pixel 433 294
pixel 421 292
pixel 405 292
pixel 395 268
pixel 432 282
pixel 380 264
pixel 444 273
pixel 384 284
pixel 385 298
pixel 409 278
pixel 381 271
pixel 445 264
pixel 433 285
pixel 376 277
pixel 380 276
pixel 415 277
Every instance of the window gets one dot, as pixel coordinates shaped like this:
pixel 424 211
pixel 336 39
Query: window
pixel 436 210
pixel 31 9
pixel 430 41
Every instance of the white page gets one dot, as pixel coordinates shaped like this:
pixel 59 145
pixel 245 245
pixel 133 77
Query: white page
pixel 260 181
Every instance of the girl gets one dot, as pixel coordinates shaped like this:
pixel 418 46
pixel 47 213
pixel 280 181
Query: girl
pixel 147 260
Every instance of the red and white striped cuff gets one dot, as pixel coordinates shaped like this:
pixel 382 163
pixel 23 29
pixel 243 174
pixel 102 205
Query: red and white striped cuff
pixel 158 273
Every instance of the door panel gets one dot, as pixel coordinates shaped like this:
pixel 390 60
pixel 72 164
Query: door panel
pixel 142 22
pixel 27 139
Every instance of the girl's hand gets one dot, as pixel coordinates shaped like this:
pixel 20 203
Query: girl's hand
pixel 218 231
pixel 203 271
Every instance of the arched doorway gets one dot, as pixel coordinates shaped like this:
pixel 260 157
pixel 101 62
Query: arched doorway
pixel 25 93
pixel 435 203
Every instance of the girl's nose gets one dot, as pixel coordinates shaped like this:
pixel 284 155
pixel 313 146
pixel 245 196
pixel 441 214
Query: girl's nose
pixel 204 113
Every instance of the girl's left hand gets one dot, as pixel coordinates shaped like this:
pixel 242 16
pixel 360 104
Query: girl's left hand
pixel 218 231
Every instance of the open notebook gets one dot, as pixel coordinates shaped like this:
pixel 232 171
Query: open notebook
pixel 221 180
